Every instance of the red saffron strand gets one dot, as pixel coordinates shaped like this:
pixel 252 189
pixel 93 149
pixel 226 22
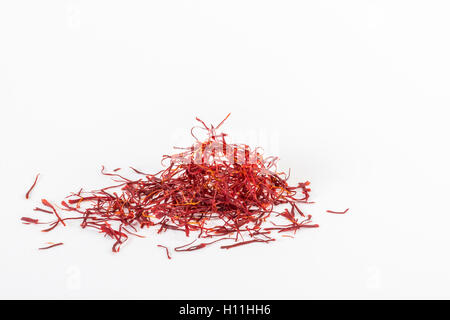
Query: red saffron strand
pixel 167 250
pixel 43 210
pixel 220 124
pixel 339 212
pixel 138 171
pixel 29 220
pixel 52 246
pixel 27 196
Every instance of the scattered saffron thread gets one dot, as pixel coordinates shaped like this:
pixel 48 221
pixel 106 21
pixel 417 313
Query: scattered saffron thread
pixel 27 220
pixel 27 196
pixel 167 251
pixel 43 210
pixel 338 212
pixel 52 246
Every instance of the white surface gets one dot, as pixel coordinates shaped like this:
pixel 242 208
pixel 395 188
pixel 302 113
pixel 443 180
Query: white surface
pixel 352 95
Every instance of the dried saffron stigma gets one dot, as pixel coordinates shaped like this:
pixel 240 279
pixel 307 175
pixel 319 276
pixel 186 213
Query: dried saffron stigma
pixel 167 251
pixel 26 220
pixel 338 212
pixel 51 245
pixel 27 195
pixel 212 190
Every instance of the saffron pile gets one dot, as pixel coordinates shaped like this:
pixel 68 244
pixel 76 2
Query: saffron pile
pixel 213 190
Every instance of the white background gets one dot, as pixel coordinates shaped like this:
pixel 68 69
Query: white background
pixel 352 95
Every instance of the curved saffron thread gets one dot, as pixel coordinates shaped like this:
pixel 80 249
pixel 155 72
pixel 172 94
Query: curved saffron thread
pixel 52 246
pixel 339 212
pixel 27 196
pixel 167 250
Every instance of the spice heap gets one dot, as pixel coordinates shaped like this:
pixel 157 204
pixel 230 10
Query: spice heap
pixel 216 190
